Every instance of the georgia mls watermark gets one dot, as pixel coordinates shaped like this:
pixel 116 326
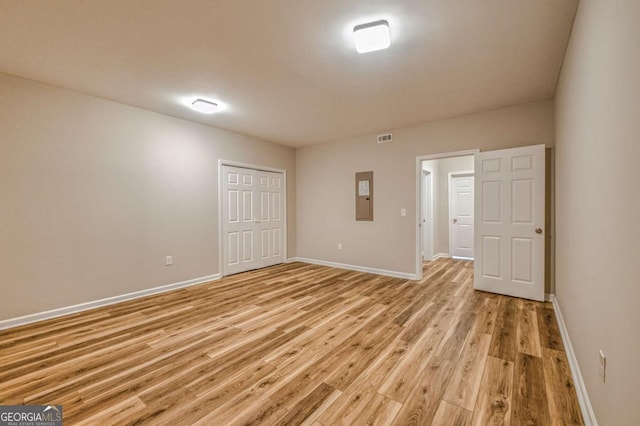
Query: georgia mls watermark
pixel 30 415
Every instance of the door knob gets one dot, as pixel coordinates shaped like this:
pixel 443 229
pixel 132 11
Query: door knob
pixel 455 220
pixel 538 231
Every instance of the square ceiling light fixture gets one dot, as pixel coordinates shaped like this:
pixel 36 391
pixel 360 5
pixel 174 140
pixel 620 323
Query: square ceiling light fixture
pixel 372 36
pixel 203 106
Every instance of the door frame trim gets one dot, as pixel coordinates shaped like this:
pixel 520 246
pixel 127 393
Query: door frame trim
pixel 222 163
pixel 450 178
pixel 418 199
pixel 429 210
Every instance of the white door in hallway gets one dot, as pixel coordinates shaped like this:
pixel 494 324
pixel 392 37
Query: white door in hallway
pixel 461 216
pixel 252 219
pixel 509 231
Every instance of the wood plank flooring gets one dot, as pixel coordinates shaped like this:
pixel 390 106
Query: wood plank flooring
pixel 301 344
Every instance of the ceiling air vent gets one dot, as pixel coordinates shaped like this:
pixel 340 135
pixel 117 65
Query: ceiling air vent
pixel 387 137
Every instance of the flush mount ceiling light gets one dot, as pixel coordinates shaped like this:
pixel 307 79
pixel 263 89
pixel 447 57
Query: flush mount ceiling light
pixel 372 36
pixel 203 106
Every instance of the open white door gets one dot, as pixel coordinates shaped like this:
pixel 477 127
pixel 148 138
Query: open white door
pixel 509 212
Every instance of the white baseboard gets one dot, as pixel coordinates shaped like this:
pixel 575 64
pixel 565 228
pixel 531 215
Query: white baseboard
pixel 581 390
pixel 377 271
pixel 439 255
pixel 41 316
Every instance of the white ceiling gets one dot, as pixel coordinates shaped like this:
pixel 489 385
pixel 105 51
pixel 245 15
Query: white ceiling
pixel 287 70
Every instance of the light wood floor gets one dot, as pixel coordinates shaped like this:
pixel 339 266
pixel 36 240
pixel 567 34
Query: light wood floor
pixel 298 344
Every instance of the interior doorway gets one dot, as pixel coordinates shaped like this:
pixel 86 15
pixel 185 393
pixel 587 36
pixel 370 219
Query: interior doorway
pixel 503 192
pixel 436 237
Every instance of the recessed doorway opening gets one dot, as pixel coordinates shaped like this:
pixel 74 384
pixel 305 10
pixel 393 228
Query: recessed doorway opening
pixel 445 206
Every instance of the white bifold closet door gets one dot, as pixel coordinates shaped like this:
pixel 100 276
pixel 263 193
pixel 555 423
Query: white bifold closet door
pixel 252 219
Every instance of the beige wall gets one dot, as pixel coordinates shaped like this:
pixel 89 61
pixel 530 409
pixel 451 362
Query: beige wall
pixel 597 203
pixel 325 189
pixel 94 194
pixel 441 169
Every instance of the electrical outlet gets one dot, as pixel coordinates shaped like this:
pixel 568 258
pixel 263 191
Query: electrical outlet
pixel 339 246
pixel 603 366
pixel 168 261
pixel 403 212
